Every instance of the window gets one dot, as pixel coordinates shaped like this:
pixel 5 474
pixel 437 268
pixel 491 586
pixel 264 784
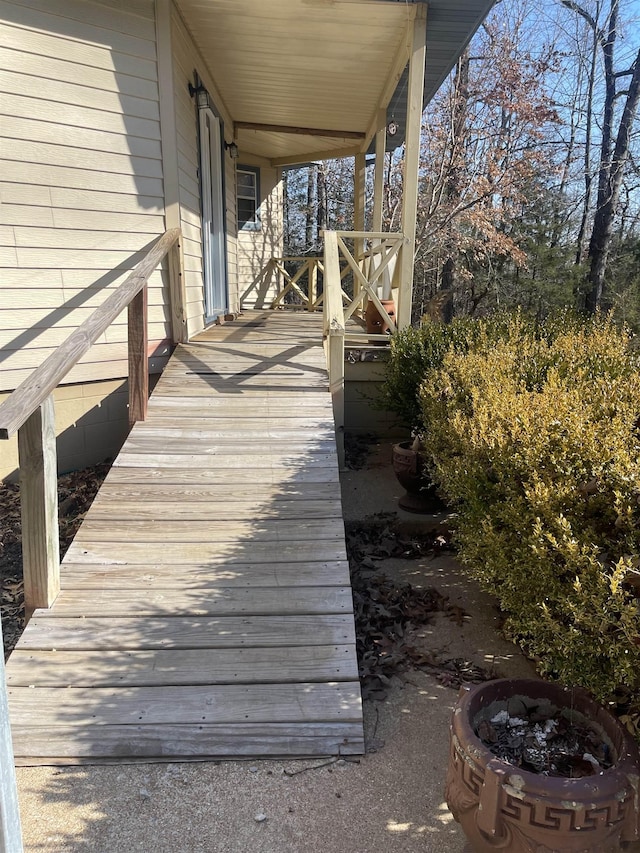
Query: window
pixel 247 181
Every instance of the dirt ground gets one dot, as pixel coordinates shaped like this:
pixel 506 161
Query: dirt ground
pixel 386 801
pixel 76 492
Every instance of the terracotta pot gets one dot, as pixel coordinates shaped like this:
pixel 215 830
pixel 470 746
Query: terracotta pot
pixel 375 323
pixel 502 807
pixel 421 495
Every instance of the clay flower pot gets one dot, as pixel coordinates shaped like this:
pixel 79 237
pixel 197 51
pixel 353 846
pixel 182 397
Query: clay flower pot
pixel 503 807
pixel 421 495
pixel 375 323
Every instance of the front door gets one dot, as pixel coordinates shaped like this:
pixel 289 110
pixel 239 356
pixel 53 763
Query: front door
pixel 213 233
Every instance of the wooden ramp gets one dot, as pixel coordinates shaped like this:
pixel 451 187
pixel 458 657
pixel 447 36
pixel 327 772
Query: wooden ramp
pixel 205 609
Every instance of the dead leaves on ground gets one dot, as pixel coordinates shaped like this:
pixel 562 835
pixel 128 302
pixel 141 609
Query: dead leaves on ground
pixel 389 614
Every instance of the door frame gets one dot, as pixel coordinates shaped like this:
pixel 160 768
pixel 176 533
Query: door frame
pixel 213 213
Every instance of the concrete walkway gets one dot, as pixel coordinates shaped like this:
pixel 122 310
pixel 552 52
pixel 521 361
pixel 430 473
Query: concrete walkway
pixel 389 801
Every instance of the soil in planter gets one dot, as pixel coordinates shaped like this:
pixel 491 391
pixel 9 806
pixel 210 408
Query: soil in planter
pixel 542 738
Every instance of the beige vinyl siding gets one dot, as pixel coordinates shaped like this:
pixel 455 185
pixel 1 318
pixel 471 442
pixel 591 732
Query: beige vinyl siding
pixel 257 246
pixel 81 186
pixel 187 138
pixel 91 425
pixel 186 59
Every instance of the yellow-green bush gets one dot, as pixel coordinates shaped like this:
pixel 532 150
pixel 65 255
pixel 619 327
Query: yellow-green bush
pixel 416 352
pixel 535 438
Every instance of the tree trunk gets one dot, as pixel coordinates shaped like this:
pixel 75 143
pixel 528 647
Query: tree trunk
pixel 609 193
pixel 454 178
pixel 321 197
pixel 310 218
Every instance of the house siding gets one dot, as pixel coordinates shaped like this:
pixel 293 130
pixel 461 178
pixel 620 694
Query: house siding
pixel 257 247
pixel 81 176
pixel 186 60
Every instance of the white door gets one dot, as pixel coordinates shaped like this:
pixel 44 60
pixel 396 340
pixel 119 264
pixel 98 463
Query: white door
pixel 213 236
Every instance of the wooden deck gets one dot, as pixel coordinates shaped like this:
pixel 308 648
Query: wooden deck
pixel 205 609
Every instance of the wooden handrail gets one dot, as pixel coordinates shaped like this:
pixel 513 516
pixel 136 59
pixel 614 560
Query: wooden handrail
pixel 29 411
pixel 28 396
pixel 369 235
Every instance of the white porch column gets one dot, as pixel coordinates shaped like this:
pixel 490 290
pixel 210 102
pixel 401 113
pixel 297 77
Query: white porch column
pixel 415 91
pixel 359 208
pixel 378 184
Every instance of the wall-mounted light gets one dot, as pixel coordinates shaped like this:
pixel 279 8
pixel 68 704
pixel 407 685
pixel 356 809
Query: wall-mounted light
pixel 392 128
pixel 232 148
pixel 195 90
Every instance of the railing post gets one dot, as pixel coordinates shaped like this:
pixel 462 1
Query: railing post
pixel 10 829
pixel 179 331
pixel 138 357
pixel 313 284
pixel 333 326
pixel 336 387
pixel 39 506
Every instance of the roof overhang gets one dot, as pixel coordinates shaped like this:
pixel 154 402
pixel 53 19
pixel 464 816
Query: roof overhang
pixel 303 80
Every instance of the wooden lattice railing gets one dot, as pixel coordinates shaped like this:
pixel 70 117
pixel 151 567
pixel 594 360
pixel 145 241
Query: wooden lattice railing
pixel 373 264
pixel 29 411
pixel 288 282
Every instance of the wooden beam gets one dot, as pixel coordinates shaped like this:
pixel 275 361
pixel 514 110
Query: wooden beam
pixel 312 156
pixel 179 325
pixel 300 131
pixel 138 358
pixel 415 90
pixel 39 506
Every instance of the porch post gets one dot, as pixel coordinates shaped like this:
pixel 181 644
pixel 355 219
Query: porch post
pixel 378 186
pixel 415 91
pixel 359 209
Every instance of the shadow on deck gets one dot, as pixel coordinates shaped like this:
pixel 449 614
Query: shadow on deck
pixel 206 610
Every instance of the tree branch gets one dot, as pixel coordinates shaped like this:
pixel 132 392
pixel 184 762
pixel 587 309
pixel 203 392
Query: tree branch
pixel 569 4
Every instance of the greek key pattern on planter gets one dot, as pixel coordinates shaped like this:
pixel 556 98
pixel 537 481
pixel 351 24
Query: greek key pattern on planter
pixel 537 813
pixel 544 816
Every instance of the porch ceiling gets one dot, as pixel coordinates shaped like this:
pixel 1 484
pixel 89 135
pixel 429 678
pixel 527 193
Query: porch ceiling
pixel 321 65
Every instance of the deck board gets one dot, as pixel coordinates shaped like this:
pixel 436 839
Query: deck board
pixel 205 609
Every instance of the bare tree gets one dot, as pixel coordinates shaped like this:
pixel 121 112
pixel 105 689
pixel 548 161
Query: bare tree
pixel 614 145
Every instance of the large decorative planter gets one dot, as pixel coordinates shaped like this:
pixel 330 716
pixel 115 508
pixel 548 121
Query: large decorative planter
pixel 421 496
pixel 503 807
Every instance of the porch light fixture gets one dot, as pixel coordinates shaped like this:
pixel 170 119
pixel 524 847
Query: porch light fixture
pixel 392 128
pixel 232 148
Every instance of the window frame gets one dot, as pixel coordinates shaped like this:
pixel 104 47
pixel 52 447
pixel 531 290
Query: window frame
pixel 254 224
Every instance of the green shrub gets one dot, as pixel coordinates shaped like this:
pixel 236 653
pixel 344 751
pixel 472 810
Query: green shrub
pixel 414 353
pixel 535 437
